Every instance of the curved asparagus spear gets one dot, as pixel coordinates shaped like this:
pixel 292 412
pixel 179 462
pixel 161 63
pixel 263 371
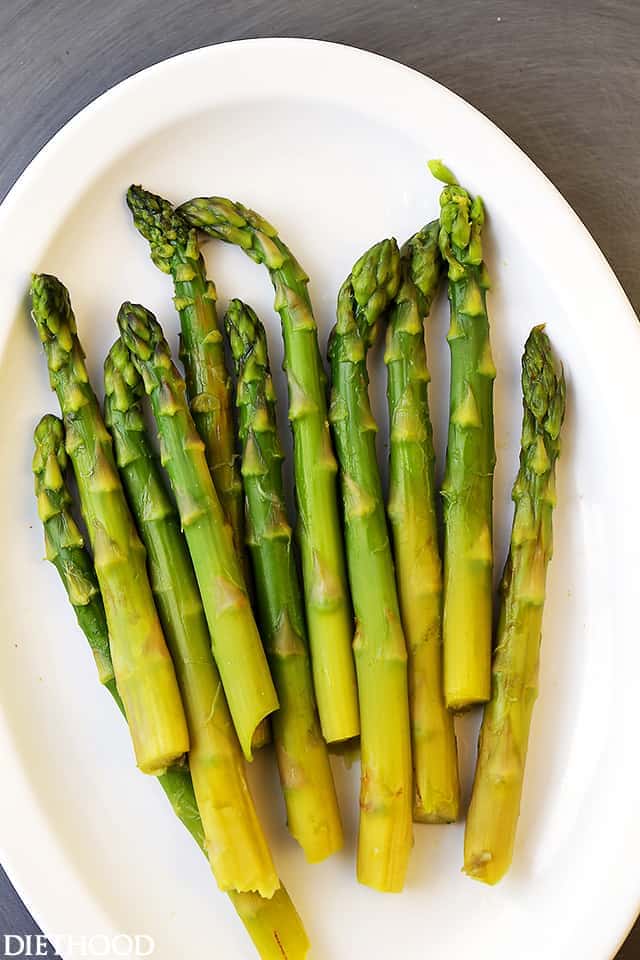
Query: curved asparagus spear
pixel 144 672
pixel 385 833
pixel 412 513
pixel 303 760
pixel 274 925
pixel 468 481
pixel 327 604
pixel 502 750
pixel 174 249
pixel 237 847
pixel 235 640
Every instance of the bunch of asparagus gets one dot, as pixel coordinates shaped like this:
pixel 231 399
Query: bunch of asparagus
pixel 167 594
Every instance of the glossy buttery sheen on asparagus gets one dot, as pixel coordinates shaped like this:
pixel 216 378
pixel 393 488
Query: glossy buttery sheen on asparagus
pixel 236 844
pixel 236 643
pixel 504 735
pixel 468 483
pixel 328 610
pixel 412 514
pixel 385 833
pixel 273 924
pixel 303 761
pixel 144 671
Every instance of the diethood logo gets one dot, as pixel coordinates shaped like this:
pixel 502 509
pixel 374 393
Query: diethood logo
pixel 73 947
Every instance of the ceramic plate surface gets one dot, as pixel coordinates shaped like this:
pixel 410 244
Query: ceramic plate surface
pixel 330 144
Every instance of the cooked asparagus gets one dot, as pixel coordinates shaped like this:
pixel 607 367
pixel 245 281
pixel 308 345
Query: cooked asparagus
pixel 273 925
pixel 504 735
pixel 174 249
pixel 235 842
pixel 328 609
pixel 313 816
pixel 143 668
pixel 468 483
pixel 237 647
pixel 385 833
pixel 412 513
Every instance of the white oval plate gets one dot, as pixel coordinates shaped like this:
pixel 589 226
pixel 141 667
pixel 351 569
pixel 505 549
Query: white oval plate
pixel 330 144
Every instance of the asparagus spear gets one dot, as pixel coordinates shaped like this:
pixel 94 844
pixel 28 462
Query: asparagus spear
pixel 238 850
pixel 143 669
pixel 303 761
pixel 174 249
pixel 412 514
pixel 327 605
pixel 236 643
pixel 504 735
pixel 274 924
pixel 468 481
pixel 385 833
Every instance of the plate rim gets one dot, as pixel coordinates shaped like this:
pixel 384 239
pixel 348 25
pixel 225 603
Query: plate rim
pixel 36 168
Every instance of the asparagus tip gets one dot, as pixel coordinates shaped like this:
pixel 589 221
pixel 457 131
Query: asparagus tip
pixel 442 172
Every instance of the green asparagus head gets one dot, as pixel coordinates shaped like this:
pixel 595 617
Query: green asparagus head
pixel 54 318
pixel 235 223
pixel 49 460
pixel 422 256
pixel 122 383
pixel 441 172
pixel 54 499
pixel 147 346
pixel 543 387
pixel 52 313
pixel 543 397
pixel 162 226
pixel 461 222
pixel 247 338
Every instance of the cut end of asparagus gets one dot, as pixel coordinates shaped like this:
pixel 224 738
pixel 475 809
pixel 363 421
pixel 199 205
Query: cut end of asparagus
pixel 484 868
pixel 158 223
pixel 51 310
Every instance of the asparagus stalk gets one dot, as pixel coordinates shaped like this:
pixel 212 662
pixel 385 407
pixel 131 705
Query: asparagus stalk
pixel 504 735
pixel 143 668
pixel 274 924
pixel 412 514
pixel 328 610
pixel 385 833
pixel 174 249
pixel 468 483
pixel 237 847
pixel 236 643
pixel 313 816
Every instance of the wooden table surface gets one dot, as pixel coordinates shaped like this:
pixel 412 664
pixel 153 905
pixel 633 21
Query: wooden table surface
pixel 561 78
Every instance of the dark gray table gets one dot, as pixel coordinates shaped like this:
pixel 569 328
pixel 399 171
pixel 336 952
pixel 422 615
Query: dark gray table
pixel 561 77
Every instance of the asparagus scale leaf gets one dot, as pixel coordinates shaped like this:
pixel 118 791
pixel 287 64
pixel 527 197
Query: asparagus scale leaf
pixel 468 482
pixel 313 816
pixel 328 609
pixel 412 514
pixel 144 671
pixel 504 735
pixel 385 832
pixel 235 842
pixel 273 924
pixel 236 644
